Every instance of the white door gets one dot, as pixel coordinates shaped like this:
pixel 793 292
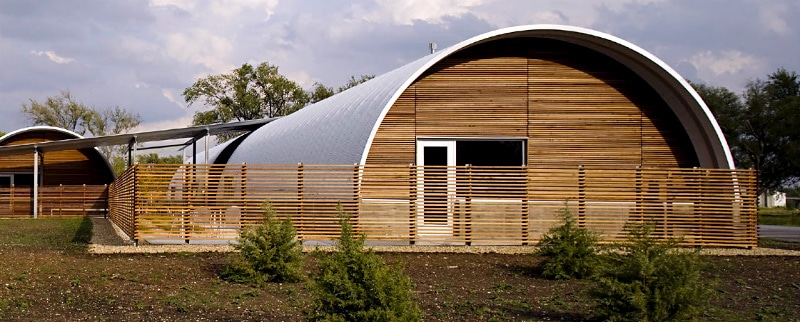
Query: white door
pixel 436 187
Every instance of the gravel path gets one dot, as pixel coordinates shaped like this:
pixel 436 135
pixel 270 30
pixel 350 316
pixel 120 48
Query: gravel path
pixel 107 239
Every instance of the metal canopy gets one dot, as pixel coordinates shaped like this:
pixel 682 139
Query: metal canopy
pixel 194 133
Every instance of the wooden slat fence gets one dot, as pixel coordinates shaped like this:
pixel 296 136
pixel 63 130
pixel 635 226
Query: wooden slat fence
pixel 54 201
pixel 121 201
pixel 451 205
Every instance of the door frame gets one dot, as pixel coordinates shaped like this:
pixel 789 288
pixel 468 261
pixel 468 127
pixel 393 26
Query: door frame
pixel 436 229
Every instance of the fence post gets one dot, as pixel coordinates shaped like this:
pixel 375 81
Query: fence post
pixel 301 231
pixel 83 201
pixel 356 199
pixel 638 210
pixel 246 202
pixel 60 199
pixel 105 191
pixel 412 204
pixel 526 216
pixel 468 208
pixel 581 196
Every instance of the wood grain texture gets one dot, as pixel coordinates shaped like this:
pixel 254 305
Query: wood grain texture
pixel 574 105
pixel 489 205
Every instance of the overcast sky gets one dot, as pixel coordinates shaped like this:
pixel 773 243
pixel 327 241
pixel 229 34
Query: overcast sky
pixel 140 55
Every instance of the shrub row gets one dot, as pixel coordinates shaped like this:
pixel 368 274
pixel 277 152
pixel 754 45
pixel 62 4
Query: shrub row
pixel 642 279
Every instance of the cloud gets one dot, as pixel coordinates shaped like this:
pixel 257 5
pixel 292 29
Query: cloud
pixel 769 14
pixel 724 62
pixel 180 122
pixel 167 93
pixel 201 47
pixel 53 56
pixel 406 12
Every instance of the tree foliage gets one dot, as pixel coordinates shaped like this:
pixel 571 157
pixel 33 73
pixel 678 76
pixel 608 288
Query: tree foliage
pixel 62 111
pixel 320 92
pixel 569 251
pixel 761 126
pixel 154 158
pixel 246 93
pixel 354 284
pixel 645 279
pixel 66 112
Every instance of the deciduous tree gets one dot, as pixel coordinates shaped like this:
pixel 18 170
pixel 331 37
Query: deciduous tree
pixel 246 93
pixel 61 110
pixel 66 112
pixel 761 126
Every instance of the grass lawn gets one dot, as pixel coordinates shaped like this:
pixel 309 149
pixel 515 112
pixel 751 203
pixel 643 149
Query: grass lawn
pixel 47 274
pixel 778 216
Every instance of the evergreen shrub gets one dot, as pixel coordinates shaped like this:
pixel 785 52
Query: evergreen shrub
pixel 268 252
pixel 354 284
pixel 569 251
pixel 645 279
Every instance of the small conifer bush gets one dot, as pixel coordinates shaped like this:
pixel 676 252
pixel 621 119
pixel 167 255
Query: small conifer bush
pixel 268 252
pixel 569 251
pixel 354 284
pixel 645 279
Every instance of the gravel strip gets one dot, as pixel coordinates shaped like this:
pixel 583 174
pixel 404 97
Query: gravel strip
pixel 109 239
pixel 146 249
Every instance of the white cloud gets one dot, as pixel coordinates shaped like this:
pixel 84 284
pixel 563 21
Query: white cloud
pixel 167 93
pixel 234 8
pixel 53 56
pixel 769 14
pixel 181 122
pixel 201 47
pixel 405 12
pixel 181 4
pixel 724 62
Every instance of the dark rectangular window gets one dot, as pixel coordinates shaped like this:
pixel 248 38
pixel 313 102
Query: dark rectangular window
pixel 490 152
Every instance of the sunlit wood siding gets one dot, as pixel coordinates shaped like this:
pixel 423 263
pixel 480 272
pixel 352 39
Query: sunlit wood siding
pixel 574 105
pixel 68 167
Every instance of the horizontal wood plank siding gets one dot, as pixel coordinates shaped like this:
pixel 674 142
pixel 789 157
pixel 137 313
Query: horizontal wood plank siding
pixel 575 106
pixel 68 167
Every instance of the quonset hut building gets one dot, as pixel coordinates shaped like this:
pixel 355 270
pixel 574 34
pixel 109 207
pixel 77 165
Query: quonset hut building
pixel 486 139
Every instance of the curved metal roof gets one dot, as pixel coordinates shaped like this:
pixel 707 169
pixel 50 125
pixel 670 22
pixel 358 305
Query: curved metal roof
pixel 340 129
pixel 74 135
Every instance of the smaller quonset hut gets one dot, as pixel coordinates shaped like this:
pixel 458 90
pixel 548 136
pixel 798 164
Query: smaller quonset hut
pixel 59 183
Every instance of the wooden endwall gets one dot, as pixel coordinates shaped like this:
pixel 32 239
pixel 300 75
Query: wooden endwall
pixel 68 167
pixel 575 106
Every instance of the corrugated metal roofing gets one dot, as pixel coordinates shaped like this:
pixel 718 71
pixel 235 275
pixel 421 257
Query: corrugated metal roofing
pixel 339 130
pixel 332 131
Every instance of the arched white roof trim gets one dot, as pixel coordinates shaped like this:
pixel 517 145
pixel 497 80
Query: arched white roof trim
pixel 579 36
pixel 39 128
pixel 74 135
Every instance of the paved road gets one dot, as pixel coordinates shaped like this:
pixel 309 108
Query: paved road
pixel 785 233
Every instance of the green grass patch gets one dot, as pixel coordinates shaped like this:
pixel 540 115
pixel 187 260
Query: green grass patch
pixel 67 234
pixel 780 216
pixel 778 244
pixel 793 220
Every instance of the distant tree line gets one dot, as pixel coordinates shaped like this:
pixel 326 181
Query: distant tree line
pixel 762 126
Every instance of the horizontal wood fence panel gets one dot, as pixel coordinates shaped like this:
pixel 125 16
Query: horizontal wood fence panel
pixel 434 205
pixel 54 201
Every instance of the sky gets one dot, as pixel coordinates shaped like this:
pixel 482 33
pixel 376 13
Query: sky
pixel 140 55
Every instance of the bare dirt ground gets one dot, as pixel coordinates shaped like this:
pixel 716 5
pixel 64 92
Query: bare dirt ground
pixel 47 273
